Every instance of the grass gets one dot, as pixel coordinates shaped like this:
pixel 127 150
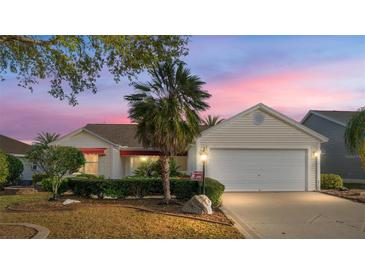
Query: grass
pixel 103 221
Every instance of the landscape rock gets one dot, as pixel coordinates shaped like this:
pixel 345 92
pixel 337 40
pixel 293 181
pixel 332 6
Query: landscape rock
pixel 198 204
pixel 93 196
pixel 70 201
pixel 110 197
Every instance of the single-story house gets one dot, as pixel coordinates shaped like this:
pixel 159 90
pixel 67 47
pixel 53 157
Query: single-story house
pixel 18 149
pixel 258 149
pixel 335 156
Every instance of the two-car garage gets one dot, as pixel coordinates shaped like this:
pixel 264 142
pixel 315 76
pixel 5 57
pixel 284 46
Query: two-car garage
pixel 259 169
pixel 261 149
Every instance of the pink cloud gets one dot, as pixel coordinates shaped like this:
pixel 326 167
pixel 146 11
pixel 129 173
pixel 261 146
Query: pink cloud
pixel 292 92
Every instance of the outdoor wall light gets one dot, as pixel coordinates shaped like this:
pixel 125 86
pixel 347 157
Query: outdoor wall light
pixel 317 154
pixel 143 159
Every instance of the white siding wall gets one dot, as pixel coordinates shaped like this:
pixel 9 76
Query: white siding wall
pixel 86 140
pixel 116 166
pixel 192 154
pixel 27 171
pixel 241 132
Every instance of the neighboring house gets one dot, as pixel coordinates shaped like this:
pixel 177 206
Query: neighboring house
pixel 18 149
pixel 335 158
pixel 259 149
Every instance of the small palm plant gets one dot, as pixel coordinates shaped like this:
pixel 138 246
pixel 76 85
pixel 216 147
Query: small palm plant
pixel 45 138
pixel 211 121
pixel 355 134
pixel 166 110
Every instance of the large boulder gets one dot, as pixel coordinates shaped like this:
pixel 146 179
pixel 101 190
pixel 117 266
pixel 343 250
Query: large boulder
pixel 198 204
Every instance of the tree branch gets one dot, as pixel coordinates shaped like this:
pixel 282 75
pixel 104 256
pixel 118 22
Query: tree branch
pixel 28 40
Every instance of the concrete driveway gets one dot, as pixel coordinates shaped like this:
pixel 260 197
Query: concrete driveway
pixel 273 215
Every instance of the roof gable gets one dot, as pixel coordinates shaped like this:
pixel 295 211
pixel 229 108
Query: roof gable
pixel 12 146
pixel 75 133
pixel 273 113
pixel 338 117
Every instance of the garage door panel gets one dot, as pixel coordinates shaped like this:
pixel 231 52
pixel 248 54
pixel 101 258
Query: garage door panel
pixel 263 170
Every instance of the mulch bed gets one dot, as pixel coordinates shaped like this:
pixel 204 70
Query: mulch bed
pixel 351 194
pixel 149 205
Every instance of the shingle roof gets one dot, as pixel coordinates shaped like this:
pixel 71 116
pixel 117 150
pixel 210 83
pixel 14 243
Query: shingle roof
pixel 340 116
pixel 13 146
pixel 120 134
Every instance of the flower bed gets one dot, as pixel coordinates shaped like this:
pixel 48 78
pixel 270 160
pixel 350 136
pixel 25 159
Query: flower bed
pixel 357 195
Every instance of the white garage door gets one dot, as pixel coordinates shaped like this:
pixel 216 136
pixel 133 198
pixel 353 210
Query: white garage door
pixel 258 170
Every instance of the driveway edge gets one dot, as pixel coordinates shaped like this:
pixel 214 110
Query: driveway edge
pixel 241 226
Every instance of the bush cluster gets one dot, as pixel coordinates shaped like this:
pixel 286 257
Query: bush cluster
pixel 153 169
pixel 11 169
pixel 15 169
pixel 38 177
pixel 4 169
pixel 47 185
pixel 331 181
pixel 141 186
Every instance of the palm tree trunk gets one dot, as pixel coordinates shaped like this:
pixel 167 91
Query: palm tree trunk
pixel 165 176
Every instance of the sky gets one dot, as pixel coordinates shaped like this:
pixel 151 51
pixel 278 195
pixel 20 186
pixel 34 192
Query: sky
pixel 292 74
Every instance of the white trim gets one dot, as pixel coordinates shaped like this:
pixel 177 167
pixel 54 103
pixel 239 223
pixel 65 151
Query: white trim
pixel 322 116
pixel 77 131
pixel 277 115
pixel 318 168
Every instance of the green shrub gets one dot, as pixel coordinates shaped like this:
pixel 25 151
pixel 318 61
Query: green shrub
pixel 214 190
pixel 182 188
pixel 15 169
pixel 4 169
pixel 153 169
pixel 89 176
pixel 47 186
pixel 331 181
pixel 146 169
pixel 38 177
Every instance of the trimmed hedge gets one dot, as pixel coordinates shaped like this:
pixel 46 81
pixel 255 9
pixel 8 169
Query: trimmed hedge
pixel 331 181
pixel 142 186
pixel 89 176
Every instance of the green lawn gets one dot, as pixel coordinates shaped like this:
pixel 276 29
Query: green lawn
pixel 103 221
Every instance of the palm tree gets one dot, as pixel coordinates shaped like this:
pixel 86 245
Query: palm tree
pixel 211 121
pixel 45 138
pixel 166 109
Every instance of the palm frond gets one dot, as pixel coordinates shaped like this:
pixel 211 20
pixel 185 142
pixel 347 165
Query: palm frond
pixel 45 138
pixel 167 107
pixel 211 121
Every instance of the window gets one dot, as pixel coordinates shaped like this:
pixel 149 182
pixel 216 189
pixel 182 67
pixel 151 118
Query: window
pixel 91 164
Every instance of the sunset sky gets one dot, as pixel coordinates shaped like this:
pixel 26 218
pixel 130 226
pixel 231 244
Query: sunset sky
pixel 292 74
